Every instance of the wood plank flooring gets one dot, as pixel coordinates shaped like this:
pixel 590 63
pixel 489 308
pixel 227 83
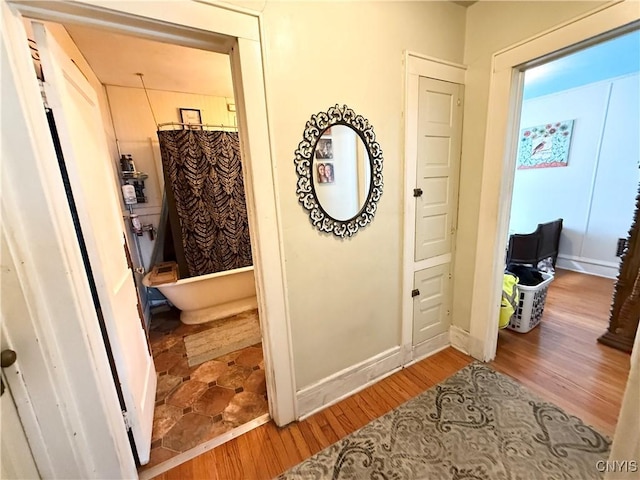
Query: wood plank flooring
pixel 560 361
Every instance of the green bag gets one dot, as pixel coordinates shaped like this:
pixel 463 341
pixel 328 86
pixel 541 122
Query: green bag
pixel 510 297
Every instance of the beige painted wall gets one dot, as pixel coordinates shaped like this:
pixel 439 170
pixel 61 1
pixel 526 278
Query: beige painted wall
pixel 344 295
pixel 490 27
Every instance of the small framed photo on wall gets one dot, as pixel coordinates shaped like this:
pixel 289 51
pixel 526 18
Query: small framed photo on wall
pixel 324 149
pixel 324 172
pixel 191 118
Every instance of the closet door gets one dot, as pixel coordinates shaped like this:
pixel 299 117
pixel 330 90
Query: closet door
pixel 431 307
pixel 436 204
pixel 439 138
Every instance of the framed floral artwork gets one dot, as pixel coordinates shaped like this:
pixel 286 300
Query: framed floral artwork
pixel 545 145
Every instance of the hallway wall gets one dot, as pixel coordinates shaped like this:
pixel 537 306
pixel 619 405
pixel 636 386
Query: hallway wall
pixel 344 295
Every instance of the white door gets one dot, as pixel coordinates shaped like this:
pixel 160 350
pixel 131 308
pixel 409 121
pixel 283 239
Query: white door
pixel 436 197
pixel 431 308
pixel 16 460
pixel 439 138
pixel 78 121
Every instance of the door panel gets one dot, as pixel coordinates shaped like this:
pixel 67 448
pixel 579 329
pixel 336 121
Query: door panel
pixel 439 135
pixel 86 154
pixel 437 175
pixel 16 460
pixel 431 308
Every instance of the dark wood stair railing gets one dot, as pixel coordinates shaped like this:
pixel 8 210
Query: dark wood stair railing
pixel 625 310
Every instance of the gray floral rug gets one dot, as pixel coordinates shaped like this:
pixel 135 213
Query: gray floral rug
pixel 476 425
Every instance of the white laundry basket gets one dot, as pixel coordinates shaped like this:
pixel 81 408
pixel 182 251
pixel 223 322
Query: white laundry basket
pixel 530 306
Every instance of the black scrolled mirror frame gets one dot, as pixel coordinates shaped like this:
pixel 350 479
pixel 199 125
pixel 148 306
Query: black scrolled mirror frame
pixel 305 190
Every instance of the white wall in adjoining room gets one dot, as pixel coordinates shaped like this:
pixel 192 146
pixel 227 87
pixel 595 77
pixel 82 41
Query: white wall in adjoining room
pixel 616 183
pixel 595 193
pixel 136 133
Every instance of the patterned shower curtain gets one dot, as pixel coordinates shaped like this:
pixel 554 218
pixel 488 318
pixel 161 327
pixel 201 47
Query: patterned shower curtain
pixel 203 174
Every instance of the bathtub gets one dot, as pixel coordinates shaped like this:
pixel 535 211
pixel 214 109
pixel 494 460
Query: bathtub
pixel 210 297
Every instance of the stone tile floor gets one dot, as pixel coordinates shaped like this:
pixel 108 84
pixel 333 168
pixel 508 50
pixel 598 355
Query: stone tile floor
pixel 196 404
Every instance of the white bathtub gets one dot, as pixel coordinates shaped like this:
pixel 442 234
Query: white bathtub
pixel 210 297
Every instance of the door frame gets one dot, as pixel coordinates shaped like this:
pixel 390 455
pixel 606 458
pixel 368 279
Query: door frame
pixel 214 27
pixel 416 66
pixel 505 100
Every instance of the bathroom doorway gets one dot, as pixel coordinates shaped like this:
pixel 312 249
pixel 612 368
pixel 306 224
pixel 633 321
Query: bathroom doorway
pixel 44 213
pixel 282 410
pixel 208 356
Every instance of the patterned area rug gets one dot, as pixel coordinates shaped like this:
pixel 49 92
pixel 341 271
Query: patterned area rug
pixel 476 425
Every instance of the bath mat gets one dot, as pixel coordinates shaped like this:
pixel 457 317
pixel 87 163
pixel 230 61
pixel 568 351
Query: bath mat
pixel 225 335
pixel 476 425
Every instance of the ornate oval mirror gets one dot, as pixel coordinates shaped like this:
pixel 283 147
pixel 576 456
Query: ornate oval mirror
pixel 339 167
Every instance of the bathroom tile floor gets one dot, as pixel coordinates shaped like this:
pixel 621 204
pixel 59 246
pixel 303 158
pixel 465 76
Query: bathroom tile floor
pixel 196 404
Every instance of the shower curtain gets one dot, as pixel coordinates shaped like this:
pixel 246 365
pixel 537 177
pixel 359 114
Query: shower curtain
pixel 206 200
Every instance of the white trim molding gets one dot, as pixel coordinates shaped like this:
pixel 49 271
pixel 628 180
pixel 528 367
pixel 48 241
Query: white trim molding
pixel 505 97
pixel 430 347
pixel 430 67
pixel 459 339
pixel 346 382
pixel 589 266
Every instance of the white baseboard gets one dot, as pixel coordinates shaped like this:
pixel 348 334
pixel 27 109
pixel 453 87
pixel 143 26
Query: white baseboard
pixel 459 339
pixel 347 382
pixel 429 347
pixel 588 266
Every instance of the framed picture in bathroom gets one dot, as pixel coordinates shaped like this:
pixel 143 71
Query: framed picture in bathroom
pixel 191 118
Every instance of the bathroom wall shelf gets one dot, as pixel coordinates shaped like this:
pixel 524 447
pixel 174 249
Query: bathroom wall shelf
pixel 131 176
pixel 134 175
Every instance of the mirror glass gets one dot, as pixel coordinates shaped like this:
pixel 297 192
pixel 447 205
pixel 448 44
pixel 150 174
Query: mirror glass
pixel 341 172
pixel 339 168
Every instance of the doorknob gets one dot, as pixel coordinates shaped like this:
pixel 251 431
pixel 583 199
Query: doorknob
pixel 7 358
pixel 417 192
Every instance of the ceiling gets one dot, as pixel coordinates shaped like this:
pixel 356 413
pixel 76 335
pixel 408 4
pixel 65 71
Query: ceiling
pixel 116 59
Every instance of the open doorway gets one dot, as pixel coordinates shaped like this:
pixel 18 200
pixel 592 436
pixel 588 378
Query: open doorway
pixel 575 184
pixel 89 420
pixel 209 363
pixel 207 350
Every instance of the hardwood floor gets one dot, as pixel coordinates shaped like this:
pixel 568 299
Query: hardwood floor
pixel 559 360
pixel 267 451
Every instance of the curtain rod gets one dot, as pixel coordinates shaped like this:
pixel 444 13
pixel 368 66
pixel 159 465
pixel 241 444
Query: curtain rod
pixel 203 125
